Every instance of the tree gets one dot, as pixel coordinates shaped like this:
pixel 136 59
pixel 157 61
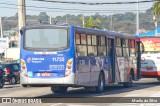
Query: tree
pixel 156 13
pixel 43 17
pixel 90 23
pixel 16 16
pixel 156 8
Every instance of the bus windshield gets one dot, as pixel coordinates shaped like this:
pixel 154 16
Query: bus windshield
pixel 151 45
pixel 46 39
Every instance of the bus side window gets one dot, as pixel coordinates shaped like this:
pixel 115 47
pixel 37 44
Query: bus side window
pixel 94 40
pixel 81 50
pixel 83 39
pixel 118 47
pixel 89 39
pixel 92 50
pixel 125 47
pixel 92 47
pixel 132 47
pixel 77 38
pixel 81 47
pixel 101 46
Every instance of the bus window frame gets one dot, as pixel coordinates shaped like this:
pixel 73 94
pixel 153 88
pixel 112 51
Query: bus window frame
pixel 132 47
pixel 124 46
pixel 93 45
pixel 119 46
pixel 81 43
pixel 99 44
pixel 48 49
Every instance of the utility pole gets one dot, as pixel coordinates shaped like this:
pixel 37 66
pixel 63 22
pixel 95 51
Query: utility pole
pixel 83 20
pixel 21 13
pixel 66 20
pixel 21 16
pixel 111 23
pixel 50 20
pixel 1 27
pixel 137 25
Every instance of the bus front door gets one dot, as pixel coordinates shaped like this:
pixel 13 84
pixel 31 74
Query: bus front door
pixel 111 55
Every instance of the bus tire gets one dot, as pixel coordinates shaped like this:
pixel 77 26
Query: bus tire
pixel 2 84
pixel 129 83
pixel 24 85
pixel 59 89
pixel 101 83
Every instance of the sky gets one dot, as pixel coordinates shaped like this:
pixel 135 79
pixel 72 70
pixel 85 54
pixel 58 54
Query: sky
pixel 9 7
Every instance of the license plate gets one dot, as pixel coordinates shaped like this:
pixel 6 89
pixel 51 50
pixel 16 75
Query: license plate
pixel 148 69
pixel 46 74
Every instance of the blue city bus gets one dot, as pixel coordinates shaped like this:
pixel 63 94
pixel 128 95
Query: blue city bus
pixel 68 56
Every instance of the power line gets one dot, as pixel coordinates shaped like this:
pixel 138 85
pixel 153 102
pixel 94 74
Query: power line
pixel 8 7
pixel 68 11
pixel 84 3
pixel 65 9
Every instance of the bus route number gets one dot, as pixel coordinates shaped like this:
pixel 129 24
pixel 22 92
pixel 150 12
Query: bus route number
pixel 57 59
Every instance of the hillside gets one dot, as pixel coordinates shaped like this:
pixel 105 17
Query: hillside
pixel 118 22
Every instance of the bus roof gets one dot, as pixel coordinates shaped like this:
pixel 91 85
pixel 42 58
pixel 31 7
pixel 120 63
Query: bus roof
pixel 85 30
pixel 104 32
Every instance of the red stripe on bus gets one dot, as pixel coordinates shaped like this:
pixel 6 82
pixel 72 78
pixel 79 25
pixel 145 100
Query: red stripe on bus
pixel 156 73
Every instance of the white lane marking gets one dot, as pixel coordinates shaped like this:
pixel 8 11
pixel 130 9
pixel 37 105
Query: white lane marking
pixel 64 104
pixel 56 104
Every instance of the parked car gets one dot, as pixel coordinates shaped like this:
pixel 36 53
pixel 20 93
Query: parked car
pixel 11 72
pixel 1 78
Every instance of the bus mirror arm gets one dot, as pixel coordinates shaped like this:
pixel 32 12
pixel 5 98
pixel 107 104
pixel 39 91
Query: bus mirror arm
pixel 21 32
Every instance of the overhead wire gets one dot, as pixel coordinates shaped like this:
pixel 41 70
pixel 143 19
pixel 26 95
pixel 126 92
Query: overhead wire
pixel 65 9
pixel 98 3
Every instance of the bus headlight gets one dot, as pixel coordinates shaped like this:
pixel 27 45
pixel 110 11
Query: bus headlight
pixel 23 68
pixel 69 67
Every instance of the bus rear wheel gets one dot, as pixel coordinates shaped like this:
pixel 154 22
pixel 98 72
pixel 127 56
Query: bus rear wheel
pixel 2 83
pixel 59 89
pixel 101 83
pixel 24 85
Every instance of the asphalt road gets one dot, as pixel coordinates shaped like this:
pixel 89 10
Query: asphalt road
pixel 144 88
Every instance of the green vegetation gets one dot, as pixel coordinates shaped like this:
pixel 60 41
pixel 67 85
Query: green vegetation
pixel 90 23
pixel 125 22
pixel 156 9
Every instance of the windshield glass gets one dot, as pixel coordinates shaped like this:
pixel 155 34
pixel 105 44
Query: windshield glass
pixel 151 45
pixel 2 66
pixel 46 38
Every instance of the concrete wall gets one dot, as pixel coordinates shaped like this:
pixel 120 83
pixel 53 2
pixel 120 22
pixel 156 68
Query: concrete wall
pixel 13 53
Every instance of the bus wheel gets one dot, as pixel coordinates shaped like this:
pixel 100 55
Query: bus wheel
pixel 2 84
pixel 59 89
pixel 129 83
pixel 101 83
pixel 24 85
